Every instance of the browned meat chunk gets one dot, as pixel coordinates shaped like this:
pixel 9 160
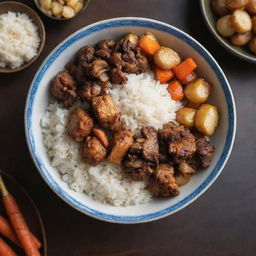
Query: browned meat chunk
pixel 117 76
pixel 99 70
pixel 163 182
pixel 138 169
pixel 103 54
pixel 105 44
pixel 91 89
pixel 63 88
pixel 79 125
pixel 122 141
pixel 106 112
pixel 143 64
pixel 131 68
pixel 150 148
pixel 76 70
pixel 116 60
pixel 181 142
pixel 85 54
pixel 204 152
pixel 93 152
pixel 129 56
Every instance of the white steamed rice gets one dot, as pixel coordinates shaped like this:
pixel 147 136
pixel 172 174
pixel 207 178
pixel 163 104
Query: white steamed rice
pixel 142 101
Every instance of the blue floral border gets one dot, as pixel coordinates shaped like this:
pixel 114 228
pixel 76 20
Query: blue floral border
pixel 135 22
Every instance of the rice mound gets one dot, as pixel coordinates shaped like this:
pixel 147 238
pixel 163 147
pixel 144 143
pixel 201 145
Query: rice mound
pixel 19 39
pixel 142 101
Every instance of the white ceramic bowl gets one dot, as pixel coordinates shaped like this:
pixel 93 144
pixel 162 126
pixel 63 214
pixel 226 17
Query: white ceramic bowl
pixel 186 46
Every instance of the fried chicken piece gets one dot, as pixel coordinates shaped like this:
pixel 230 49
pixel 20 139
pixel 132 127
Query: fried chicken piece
pixel 163 183
pixel 79 125
pixel 122 141
pixel 106 112
pixel 93 152
pixel 91 89
pixel 63 88
pixel 150 148
pixel 204 152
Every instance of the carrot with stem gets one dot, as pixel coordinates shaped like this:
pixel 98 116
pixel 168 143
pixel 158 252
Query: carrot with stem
pixel 18 222
pixel 5 249
pixel 7 230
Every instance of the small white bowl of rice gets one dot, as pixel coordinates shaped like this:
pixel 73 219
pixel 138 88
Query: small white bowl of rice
pixel 103 192
pixel 22 36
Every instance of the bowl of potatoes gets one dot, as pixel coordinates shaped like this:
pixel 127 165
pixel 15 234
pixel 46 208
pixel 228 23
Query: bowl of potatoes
pixel 233 23
pixel 61 9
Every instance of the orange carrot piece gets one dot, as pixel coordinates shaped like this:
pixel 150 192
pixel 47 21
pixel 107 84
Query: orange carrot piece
pixel 176 90
pixel 18 222
pixel 163 75
pixel 148 45
pixel 7 231
pixel 101 136
pixel 183 69
pixel 5 249
pixel 188 79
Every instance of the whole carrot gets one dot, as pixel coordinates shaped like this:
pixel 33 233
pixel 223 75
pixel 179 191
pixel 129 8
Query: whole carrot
pixel 7 230
pixel 5 249
pixel 18 222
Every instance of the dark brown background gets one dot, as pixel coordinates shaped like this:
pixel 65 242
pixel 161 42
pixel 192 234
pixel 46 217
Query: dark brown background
pixel 221 222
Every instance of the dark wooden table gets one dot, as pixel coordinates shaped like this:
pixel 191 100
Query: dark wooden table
pixel 220 222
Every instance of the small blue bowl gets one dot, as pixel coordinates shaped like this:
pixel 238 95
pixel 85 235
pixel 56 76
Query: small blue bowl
pixel 186 46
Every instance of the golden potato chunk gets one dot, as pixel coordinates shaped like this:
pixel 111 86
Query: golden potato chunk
pixel 46 4
pixel 68 12
pixel 236 4
pixel 241 21
pixel 132 38
pixel 151 36
pixel 207 119
pixel 197 91
pixel 240 39
pixel 56 8
pixel 224 26
pixel 166 58
pixel 186 116
pixel 78 7
pixel 219 7
pixel 72 3
pixel 251 7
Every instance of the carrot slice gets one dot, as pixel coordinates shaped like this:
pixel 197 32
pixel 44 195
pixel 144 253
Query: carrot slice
pixel 176 90
pixel 148 45
pixel 163 75
pixel 101 136
pixel 18 222
pixel 183 69
pixel 5 249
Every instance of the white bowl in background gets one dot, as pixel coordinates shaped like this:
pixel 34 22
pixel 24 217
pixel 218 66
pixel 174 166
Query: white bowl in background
pixel 186 46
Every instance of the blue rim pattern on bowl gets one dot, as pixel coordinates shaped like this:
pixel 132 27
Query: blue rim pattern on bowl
pixel 147 23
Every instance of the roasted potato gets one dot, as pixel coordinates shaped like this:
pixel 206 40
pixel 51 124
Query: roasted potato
pixel 72 3
pixel 240 39
pixel 197 91
pixel 182 179
pixel 56 8
pixel 254 24
pixel 252 45
pixel 251 7
pixel 166 58
pixel 46 4
pixel 236 4
pixel 78 7
pixel 68 12
pixel 224 26
pixel 241 21
pixel 220 7
pixel 132 38
pixel 150 35
pixel 186 116
pixel 207 118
